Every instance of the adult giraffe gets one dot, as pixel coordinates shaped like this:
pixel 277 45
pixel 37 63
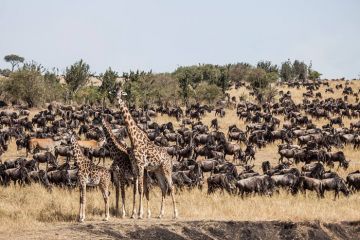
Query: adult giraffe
pixel 149 157
pixel 122 167
pixel 90 175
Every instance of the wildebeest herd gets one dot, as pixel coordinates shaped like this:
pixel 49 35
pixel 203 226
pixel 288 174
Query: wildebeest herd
pixel 199 152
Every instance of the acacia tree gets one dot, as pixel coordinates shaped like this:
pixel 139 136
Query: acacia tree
pixel 14 60
pixel 76 77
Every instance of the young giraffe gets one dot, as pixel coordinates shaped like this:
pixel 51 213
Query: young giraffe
pixel 122 167
pixel 149 157
pixel 91 175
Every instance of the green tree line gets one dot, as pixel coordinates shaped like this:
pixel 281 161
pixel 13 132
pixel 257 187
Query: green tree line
pixel 30 83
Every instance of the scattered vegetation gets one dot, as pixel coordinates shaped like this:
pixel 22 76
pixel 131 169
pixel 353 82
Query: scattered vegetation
pixel 33 85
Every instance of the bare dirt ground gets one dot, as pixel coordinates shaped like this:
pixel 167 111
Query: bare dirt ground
pixel 177 230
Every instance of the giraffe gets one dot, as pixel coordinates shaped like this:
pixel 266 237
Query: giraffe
pixel 148 157
pixel 122 167
pixel 91 175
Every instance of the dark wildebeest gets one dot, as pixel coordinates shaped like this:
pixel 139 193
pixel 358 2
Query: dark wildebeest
pixel 220 181
pixel 257 184
pixel 39 177
pixel 312 184
pixel 64 151
pixel 353 180
pixel 336 184
pixel 313 170
pixel 19 175
pixel 288 181
pixel 45 157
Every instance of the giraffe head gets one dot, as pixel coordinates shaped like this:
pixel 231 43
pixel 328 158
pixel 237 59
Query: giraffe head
pixel 73 139
pixel 119 95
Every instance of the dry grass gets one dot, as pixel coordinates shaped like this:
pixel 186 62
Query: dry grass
pixel 34 207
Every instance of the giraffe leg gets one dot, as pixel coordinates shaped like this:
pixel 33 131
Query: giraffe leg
pixel 141 191
pixel 167 171
pixel 105 192
pixel 117 193
pixel 82 202
pixel 123 211
pixel 171 190
pixel 161 181
pixel 135 190
pixel 147 195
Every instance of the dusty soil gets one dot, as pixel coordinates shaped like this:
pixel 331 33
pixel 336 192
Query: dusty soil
pixel 202 230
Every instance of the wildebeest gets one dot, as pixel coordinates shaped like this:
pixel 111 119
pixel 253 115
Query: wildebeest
pixel 288 181
pixel 353 180
pixel 334 184
pixel 220 181
pixel 312 184
pixel 257 184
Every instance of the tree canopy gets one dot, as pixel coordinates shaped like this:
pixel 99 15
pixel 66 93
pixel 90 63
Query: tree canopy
pixel 14 60
pixel 77 76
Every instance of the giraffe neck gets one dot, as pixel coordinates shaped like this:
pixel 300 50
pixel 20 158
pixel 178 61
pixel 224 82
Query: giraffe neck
pixel 111 139
pixel 136 135
pixel 81 160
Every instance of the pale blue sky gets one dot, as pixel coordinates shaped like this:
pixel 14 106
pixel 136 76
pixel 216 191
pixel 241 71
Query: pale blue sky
pixel 161 35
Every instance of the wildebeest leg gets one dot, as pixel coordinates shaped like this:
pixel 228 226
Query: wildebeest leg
pixel 336 194
pixel 319 193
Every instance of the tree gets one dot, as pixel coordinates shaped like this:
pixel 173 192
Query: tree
pixel 187 77
pixel 300 70
pixel 286 72
pixel 209 93
pixel 5 72
pixel 77 76
pixel 239 72
pixel 224 79
pixel 312 74
pixel 88 95
pixel 25 85
pixel 268 66
pixel 14 60
pixel 166 89
pixel 54 90
pixel 109 85
pixel 260 79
